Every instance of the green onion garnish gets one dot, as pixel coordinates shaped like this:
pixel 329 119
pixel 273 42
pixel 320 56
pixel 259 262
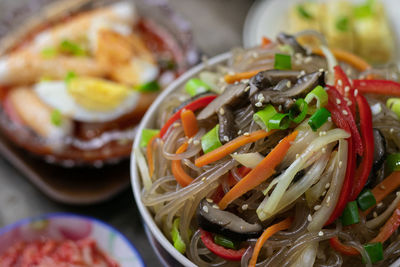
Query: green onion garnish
pixel 56 117
pixel 262 117
pixel 176 237
pixel 342 24
pixel 225 242
pixel 279 121
pixel 365 10
pixel 375 251
pixel 394 105
pixel 319 95
pixel 350 214
pixel 319 118
pixel 70 75
pixel 299 111
pixel 210 140
pixel 152 86
pixel 393 163
pixel 73 48
pixel 49 52
pixel 303 12
pixel 147 134
pixel 366 200
pixel 283 62
pixel 196 86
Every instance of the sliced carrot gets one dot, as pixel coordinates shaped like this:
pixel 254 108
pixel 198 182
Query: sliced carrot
pixel 347 57
pixel 149 154
pixel 189 123
pixel 179 173
pixel 261 172
pixel 265 41
pixel 230 147
pixel 337 245
pixel 270 231
pixel 237 77
pixel 387 186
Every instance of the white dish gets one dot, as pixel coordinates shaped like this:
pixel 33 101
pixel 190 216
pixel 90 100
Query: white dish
pixel 269 17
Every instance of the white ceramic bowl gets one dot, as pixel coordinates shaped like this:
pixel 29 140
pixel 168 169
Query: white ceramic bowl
pixel 168 254
pixel 75 227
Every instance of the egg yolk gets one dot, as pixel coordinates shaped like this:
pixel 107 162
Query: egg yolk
pixel 97 94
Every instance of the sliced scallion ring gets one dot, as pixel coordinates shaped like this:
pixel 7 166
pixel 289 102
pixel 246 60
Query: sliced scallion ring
pixel 319 95
pixel 279 121
pixel 262 117
pixel 394 105
pixel 319 118
pixel 210 140
pixel 299 111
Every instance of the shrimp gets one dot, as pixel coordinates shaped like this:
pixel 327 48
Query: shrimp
pixel 37 115
pixel 27 68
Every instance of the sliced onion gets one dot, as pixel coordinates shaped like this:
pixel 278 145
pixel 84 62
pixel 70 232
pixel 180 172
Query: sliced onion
pixel 249 160
pixel 375 222
pixel 144 170
pixel 332 62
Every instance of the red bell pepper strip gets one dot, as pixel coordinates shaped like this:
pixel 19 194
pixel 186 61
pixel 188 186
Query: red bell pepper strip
pixel 365 167
pixel 225 253
pixel 336 99
pixel 345 192
pixel 193 106
pixel 389 228
pixel 382 87
pixel 338 246
pixel 343 85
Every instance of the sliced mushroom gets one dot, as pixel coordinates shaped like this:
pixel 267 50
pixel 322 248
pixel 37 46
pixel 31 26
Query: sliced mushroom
pixel 269 78
pixel 290 40
pixel 379 156
pixel 214 220
pixel 233 94
pixel 227 128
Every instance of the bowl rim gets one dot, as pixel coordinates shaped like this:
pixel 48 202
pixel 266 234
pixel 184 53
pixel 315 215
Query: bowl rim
pixel 67 215
pixel 135 178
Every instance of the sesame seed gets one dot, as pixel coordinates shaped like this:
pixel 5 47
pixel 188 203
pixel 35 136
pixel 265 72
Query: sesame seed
pixel 260 97
pixel 349 103
pixel 322 133
pixel 317 207
pixel 215 206
pixel 280 108
pixel 288 84
pixel 321 70
pixel 190 140
pixel 397 193
pixel 328 199
pixel 196 142
pixel 345 112
pixel 356 92
pixel 340 83
pixel 205 208
pixel 320 233
pixel 307 59
pixel 338 101
pixel 221 111
pixel 245 81
pixel 258 104
pixel 247 88
pixel 239 132
pixel 297 156
pixel 246 134
pixel 302 73
pixel 223 88
pixel 226 138
pixel 323 193
pixel 203 179
pixel 375 214
pixel 330 119
pixel 323 150
pixel 309 218
pixel 236 83
pixel 176 125
pixel 209 200
pixel 391 130
pixel 382 187
pixel 346 88
pixel 380 204
pixel 340 164
pixel 327 185
pixel 245 206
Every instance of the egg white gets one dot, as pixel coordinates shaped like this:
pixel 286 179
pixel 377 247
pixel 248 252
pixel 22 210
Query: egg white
pixel 56 95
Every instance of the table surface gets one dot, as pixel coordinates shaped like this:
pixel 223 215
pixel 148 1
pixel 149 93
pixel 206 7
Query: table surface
pixel 217 27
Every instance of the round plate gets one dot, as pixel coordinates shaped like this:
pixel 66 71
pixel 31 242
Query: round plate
pixel 269 17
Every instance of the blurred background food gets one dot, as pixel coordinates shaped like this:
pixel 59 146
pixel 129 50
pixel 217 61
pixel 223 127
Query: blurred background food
pixel 362 28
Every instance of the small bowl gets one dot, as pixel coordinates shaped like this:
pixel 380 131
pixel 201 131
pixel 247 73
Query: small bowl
pixel 61 226
pixel 166 251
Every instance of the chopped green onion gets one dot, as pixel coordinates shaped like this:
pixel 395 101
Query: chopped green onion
pixel 176 237
pixel 303 12
pixel 299 111
pixel 210 140
pixel 342 24
pixel 225 242
pixel 147 134
pixel 56 117
pixel 319 95
pixel 366 200
pixel 262 117
pixel 393 163
pixel 350 214
pixel 375 251
pixel 152 86
pixel 283 62
pixel 73 48
pixel 365 10
pixel 196 86
pixel 279 121
pixel 319 118
pixel 70 75
pixel 48 53
pixel 394 105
